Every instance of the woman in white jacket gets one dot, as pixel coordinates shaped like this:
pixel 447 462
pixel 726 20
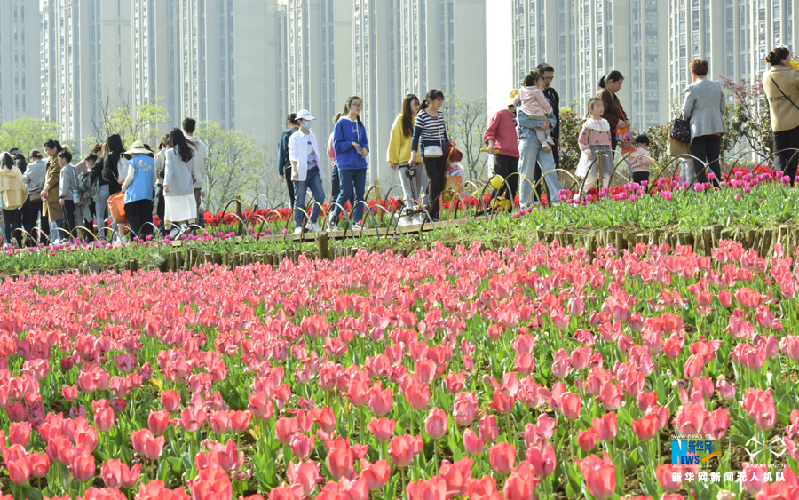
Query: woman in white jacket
pixel 306 172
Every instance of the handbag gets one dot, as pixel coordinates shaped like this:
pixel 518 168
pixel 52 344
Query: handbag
pixel 679 149
pixel 454 153
pixel 680 130
pixel 435 151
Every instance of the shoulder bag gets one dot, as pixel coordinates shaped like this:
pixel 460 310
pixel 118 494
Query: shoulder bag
pixel 435 151
pixel 783 93
pixel 680 130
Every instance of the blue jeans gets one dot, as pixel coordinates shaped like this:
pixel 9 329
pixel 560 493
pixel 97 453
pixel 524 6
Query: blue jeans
pixel 350 179
pixel 529 126
pixel 314 183
pixel 56 233
pixel 530 153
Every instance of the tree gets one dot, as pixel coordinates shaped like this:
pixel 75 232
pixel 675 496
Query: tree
pixel 235 163
pixel 27 133
pixel 466 126
pixel 130 122
pixel 748 119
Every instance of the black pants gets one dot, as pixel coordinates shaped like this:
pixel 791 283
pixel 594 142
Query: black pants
pixel 32 211
pixel 436 169
pixel 640 177
pixel 159 211
pixel 707 149
pixel 12 223
pixel 140 216
pixel 69 217
pixel 290 184
pixel 335 183
pixel 786 145
pixel 507 167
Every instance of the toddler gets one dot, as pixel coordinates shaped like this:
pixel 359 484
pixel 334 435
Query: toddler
pixel 534 110
pixel 595 142
pixel 640 160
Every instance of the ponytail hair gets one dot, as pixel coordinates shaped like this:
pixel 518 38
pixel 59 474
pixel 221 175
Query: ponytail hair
pixel 613 76
pixel 348 105
pixel 432 95
pixel 777 54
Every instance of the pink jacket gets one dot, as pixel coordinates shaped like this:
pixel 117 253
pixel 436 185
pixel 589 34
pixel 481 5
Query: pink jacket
pixel 331 149
pixel 640 160
pixel 533 101
pixel 595 133
pixel 503 132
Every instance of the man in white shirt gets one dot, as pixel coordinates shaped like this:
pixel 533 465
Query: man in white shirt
pixel 201 164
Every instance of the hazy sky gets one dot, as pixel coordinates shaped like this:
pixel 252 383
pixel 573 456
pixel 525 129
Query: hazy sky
pixel 500 56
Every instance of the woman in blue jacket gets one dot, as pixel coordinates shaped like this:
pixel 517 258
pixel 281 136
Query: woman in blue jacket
pixel 352 147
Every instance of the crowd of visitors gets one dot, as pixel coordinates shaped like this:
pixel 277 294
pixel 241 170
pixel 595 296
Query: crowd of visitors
pixel 51 199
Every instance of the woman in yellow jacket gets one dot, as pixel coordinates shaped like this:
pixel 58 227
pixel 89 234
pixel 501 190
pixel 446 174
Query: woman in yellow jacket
pixel 399 152
pixel 14 194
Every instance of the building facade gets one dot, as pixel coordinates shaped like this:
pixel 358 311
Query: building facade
pixel 85 62
pixel 650 41
pixel 586 39
pixel 20 78
pixel 733 35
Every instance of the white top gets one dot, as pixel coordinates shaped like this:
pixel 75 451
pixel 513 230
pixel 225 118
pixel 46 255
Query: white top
pixel 300 144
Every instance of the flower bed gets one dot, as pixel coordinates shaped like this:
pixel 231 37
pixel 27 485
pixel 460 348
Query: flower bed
pixel 470 372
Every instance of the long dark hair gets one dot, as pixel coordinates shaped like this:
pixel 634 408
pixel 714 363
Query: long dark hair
pixel 431 95
pixel 53 144
pixel 349 103
pixel 181 145
pixel 8 161
pixel 113 152
pixel 408 119
pixel 613 76
pixel 777 54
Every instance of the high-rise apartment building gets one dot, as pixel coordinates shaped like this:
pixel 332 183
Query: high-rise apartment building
pixel 404 46
pixel 85 62
pixel 20 70
pixel 733 35
pixel 586 39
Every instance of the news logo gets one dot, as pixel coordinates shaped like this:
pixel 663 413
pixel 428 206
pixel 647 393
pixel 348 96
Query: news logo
pixel 692 451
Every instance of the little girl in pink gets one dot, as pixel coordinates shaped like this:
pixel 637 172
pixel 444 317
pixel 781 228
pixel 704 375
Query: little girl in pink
pixel 535 111
pixel 595 142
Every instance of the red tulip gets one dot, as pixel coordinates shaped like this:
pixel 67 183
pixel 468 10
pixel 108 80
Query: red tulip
pixel 382 429
pixel 587 439
pixel 489 430
pixel 115 474
pixel 19 433
pixel 472 443
pixel 19 470
pixel 305 474
pixel 569 405
pixel 158 421
pixel 211 483
pixel 376 474
pixel 339 458
pixel 646 427
pixel 436 424
pixel 606 427
pixel 432 489
pixel 82 464
pixel 403 449
pixel 502 457
pixel 104 419
pixel 170 400
pixel 600 476
pixel 669 476
pixel 39 464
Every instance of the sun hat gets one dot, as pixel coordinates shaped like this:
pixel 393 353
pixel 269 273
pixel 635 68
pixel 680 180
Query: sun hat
pixel 303 114
pixel 137 149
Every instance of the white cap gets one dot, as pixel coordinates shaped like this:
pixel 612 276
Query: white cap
pixel 305 115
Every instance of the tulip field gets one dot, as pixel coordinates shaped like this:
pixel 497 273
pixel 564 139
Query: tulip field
pixel 521 373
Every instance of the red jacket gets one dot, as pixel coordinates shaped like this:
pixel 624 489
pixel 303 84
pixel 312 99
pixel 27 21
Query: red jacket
pixel 503 131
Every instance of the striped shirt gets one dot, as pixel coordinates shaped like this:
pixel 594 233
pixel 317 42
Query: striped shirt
pixel 432 131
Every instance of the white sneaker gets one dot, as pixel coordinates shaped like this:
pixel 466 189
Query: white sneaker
pixel 316 228
pixel 298 230
pixel 174 232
